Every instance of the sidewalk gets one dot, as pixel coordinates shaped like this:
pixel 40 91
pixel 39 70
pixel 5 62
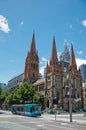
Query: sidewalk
pixel 76 118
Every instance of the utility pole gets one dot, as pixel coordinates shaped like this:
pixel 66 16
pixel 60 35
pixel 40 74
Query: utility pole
pixel 70 94
pixel 45 89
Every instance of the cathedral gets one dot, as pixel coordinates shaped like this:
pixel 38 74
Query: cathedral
pixel 62 80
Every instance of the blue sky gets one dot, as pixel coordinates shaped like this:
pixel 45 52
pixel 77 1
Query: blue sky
pixel 64 19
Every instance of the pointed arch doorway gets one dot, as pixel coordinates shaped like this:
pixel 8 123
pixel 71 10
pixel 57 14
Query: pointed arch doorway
pixel 47 103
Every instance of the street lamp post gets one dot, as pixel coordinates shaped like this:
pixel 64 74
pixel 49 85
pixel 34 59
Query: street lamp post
pixel 46 95
pixel 70 93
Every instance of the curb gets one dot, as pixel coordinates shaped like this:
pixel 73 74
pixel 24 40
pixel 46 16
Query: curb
pixel 64 120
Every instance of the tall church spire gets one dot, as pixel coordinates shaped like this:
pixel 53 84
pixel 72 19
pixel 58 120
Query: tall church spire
pixel 31 73
pixel 33 46
pixel 53 58
pixel 72 59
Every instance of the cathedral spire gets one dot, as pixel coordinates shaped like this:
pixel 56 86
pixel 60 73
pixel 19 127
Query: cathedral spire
pixel 53 58
pixel 33 45
pixel 31 72
pixel 72 59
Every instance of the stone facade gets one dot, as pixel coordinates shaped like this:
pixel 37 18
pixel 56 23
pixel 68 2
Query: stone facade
pixel 56 87
pixel 31 73
pixel 84 96
pixel 54 78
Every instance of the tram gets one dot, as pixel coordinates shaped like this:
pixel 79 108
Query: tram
pixel 32 110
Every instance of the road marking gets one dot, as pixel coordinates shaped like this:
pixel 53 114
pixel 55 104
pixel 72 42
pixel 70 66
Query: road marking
pixel 62 127
pixel 64 123
pixel 43 126
pixel 4 116
pixel 14 126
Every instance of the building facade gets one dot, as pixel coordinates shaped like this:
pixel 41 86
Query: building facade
pixel 55 86
pixel 72 85
pixel 62 79
pixel 83 72
pixel 65 56
pixel 84 96
pixel 31 72
pixel 14 82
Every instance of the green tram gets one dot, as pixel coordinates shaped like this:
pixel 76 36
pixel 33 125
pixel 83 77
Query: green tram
pixel 32 110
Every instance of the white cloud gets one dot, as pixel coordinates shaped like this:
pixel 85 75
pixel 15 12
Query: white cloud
pixel 44 59
pixel 84 23
pixel 4 24
pixel 80 62
pixel 80 52
pixel 42 70
pixel 59 54
pixel 43 63
pixel 22 23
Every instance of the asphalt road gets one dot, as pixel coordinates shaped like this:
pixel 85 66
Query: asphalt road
pixel 9 121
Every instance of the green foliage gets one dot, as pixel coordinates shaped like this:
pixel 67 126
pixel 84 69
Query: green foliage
pixel 9 99
pixel 15 97
pixel 4 94
pixel 38 99
pixel 24 93
pixel 0 95
pixel 0 89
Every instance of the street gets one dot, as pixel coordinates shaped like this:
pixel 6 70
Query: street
pixel 8 121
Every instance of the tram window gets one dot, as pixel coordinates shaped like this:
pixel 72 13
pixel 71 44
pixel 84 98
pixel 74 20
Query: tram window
pixel 20 108
pixel 14 109
pixel 31 109
pixel 36 108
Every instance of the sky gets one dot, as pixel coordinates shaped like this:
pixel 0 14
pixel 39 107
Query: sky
pixel 64 19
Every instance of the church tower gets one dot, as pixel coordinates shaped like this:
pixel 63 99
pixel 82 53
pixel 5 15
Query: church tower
pixel 31 72
pixel 53 66
pixel 76 82
pixel 53 78
pixel 72 60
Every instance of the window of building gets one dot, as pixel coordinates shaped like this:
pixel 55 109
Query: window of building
pixel 33 75
pixel 41 88
pixel 48 78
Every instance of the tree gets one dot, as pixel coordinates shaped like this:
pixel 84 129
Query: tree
pixel 9 99
pixel 4 94
pixel 0 89
pixel 26 92
pixel 38 99
pixel 16 96
pixel 0 94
